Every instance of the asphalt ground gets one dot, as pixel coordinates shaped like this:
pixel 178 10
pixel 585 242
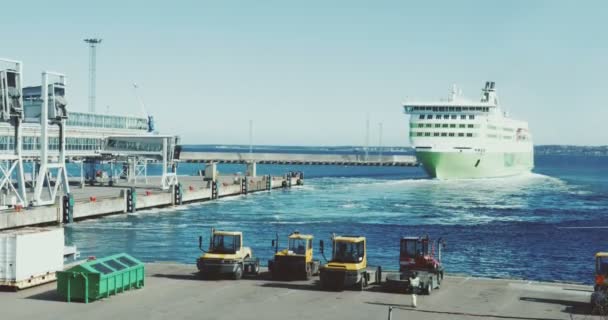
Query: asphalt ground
pixel 174 291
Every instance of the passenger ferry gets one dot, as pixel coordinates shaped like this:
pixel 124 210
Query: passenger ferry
pixel 460 139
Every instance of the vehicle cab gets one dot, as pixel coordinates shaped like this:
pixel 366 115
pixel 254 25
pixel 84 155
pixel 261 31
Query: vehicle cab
pixel 348 262
pixel 601 270
pixel 418 253
pixel 296 260
pixel 348 252
pixel 298 245
pixel 225 253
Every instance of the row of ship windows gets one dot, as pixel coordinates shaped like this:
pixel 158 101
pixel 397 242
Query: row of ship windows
pixel 449 109
pixel 444 134
pixel 491 127
pixel 457 134
pixel 444 125
pixel 454 125
pixel 495 136
pixel 446 116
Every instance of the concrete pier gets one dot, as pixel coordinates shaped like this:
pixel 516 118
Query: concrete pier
pixel 173 291
pixel 104 200
pixel 300 159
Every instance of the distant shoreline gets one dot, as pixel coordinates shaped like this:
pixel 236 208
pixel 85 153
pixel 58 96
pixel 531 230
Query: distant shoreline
pixel 564 150
pixel 568 150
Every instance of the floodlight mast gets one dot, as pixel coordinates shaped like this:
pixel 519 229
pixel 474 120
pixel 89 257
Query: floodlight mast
pixel 92 71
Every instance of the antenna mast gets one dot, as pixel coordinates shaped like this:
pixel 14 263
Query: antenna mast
pixel 380 142
pixel 250 139
pixel 367 136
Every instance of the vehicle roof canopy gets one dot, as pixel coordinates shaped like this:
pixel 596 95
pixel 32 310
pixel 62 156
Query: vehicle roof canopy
pixel 349 238
pixel 227 233
pixel 297 235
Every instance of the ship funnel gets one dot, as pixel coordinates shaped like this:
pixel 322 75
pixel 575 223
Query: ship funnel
pixel 487 85
pixel 492 85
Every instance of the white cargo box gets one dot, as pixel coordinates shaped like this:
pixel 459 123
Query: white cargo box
pixel 30 256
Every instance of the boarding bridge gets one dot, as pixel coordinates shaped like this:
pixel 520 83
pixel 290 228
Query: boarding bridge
pixel 137 151
pixel 47 137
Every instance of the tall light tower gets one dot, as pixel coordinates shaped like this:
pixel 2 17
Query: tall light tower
pixel 92 66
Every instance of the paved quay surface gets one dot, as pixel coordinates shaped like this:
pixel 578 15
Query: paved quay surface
pixel 153 185
pixel 172 291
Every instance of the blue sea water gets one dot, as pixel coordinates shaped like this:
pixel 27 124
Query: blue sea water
pixel 545 225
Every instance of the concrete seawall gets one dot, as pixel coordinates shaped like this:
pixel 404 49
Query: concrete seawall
pixel 98 201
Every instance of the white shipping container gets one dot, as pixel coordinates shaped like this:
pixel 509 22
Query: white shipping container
pixel 29 253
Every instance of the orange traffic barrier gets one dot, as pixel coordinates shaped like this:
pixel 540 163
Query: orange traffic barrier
pixel 191 188
pixel 148 192
pixel 93 198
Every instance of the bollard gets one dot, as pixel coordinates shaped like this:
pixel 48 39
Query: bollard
pixel 390 312
pixel 215 190
pixel 177 194
pixel 131 200
pixel 244 186
pixel 268 182
pixel 68 208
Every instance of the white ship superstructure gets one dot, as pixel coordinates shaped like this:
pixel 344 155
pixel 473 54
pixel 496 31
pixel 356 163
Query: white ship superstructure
pixel 459 138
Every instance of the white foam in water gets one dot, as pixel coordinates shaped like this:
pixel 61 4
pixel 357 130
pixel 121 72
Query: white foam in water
pixel 352 205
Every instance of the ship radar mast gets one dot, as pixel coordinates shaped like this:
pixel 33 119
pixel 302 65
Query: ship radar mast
pixel 489 93
pixel 455 94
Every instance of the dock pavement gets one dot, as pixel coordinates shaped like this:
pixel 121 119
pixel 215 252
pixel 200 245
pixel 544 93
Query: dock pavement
pixel 174 291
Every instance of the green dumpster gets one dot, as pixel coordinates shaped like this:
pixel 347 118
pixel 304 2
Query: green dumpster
pixel 100 278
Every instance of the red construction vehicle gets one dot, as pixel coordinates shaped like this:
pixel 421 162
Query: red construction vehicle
pixel 422 257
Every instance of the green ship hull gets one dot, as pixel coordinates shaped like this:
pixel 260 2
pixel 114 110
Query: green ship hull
pixel 468 165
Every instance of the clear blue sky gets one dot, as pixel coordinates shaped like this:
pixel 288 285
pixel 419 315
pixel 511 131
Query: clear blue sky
pixel 308 72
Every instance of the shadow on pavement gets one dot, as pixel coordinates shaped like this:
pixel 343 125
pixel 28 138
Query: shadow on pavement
pixel 590 290
pixel 291 285
pixel 191 276
pixel 50 295
pixel 573 307
pixel 456 313
pixel 199 277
